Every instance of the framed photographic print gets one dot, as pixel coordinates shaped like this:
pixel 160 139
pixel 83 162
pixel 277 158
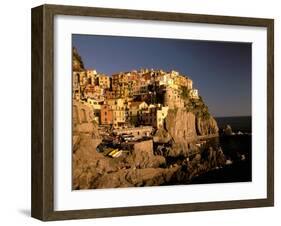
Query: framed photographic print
pixel 141 112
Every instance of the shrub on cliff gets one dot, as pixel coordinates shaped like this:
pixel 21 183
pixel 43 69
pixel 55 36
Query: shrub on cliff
pixel 197 107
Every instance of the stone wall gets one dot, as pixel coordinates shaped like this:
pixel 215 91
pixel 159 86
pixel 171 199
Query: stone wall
pixel 81 113
pixel 82 116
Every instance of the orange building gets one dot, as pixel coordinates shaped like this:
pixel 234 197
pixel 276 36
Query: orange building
pixel 106 115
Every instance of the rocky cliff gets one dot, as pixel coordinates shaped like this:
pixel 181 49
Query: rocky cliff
pixel 94 170
pixel 77 63
pixel 141 168
pixel 181 126
pixel 184 125
pixel 206 126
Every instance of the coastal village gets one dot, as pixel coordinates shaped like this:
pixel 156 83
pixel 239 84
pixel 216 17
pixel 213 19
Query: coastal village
pixel 126 100
pixel 131 106
pixel 139 128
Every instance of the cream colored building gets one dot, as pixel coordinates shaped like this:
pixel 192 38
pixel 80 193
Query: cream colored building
pixel 161 115
pixel 193 94
pixel 136 106
pixel 153 116
pixel 92 76
pixel 95 105
pixel 91 73
pixel 181 80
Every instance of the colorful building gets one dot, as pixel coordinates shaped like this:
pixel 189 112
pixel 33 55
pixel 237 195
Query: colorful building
pixel 118 109
pixel 154 116
pixel 106 115
pixel 103 81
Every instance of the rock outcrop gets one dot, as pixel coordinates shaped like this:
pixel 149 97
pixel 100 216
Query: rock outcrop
pixel 94 170
pixel 200 164
pixel 143 156
pixel 77 63
pixel 180 124
pixel 227 131
pixel 207 126
pixel 182 128
pixel 135 178
pixel 88 164
pixel 162 136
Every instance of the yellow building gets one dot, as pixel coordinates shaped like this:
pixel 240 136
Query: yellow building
pixel 103 81
pixel 182 80
pixel 92 76
pixel 91 73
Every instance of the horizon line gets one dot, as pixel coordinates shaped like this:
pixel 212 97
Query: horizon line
pixel 229 116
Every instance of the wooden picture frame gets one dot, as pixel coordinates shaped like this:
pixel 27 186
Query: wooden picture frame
pixel 42 203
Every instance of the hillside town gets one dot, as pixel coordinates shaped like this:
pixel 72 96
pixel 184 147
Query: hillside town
pixel 139 128
pixel 129 99
pixel 148 127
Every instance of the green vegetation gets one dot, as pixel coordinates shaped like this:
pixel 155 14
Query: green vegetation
pixel 198 107
pixel 184 93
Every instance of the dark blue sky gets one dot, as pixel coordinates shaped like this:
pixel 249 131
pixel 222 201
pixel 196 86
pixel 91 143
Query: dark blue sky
pixel 221 71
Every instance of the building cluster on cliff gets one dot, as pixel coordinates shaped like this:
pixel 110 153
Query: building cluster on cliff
pixel 129 99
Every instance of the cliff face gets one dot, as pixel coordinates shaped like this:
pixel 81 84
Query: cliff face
pixel 183 126
pixel 180 124
pixel 141 168
pixel 194 119
pixel 206 126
